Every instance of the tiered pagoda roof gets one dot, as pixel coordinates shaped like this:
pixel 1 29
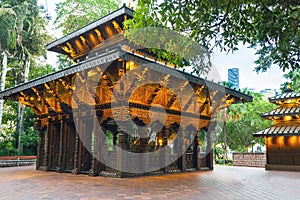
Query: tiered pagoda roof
pixel 286 118
pixel 280 130
pixel 101 42
pixel 55 94
pixel 289 94
pixel 78 44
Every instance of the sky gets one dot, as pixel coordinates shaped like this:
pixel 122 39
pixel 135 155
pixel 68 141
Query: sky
pixel 243 59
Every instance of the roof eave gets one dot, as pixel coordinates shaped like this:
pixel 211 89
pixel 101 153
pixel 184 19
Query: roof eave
pixel 121 11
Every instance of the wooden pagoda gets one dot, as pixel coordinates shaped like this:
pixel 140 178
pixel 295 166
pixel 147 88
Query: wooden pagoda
pixel 283 138
pixel 69 122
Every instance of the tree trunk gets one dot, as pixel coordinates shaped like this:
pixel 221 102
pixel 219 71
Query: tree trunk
pixel 26 70
pixel 19 125
pixel 225 136
pixel 21 108
pixel 2 83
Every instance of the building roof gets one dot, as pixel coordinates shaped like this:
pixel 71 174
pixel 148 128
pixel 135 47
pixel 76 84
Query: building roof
pixel 284 96
pixel 113 53
pixel 108 56
pixel 280 130
pixel 288 107
pixel 283 111
pixel 80 42
pixel 91 52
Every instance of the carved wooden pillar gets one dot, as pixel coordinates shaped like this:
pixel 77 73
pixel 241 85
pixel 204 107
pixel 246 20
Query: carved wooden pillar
pixel 96 153
pixel 197 152
pixel 209 152
pixel 41 144
pixel 60 167
pixel 46 147
pixel 76 152
pixel 143 140
pixel 166 158
pixel 165 154
pixel 183 151
pixel 40 151
pixel 121 157
pixel 267 152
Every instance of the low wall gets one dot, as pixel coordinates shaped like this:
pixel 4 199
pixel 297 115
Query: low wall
pixel 249 159
pixel 14 161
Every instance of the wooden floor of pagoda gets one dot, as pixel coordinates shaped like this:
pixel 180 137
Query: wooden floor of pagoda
pixel 221 183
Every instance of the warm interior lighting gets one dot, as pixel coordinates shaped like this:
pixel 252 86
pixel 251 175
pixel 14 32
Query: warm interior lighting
pixel 108 31
pixel 93 39
pixel 83 40
pixel 298 139
pixel 31 98
pixel 100 38
pixel 160 142
pixel 269 140
pixel 79 46
pixel 130 65
pixel 293 140
pixel 68 49
pixel 121 72
pixel 229 101
pixel 280 140
pixel 287 118
pixel 117 26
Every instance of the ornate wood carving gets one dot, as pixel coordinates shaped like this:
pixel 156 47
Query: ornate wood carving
pixel 177 93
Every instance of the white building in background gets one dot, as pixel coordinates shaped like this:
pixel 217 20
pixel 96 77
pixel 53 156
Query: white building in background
pixel 257 148
pixel 267 93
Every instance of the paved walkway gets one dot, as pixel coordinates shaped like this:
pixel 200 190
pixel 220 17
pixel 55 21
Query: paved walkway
pixel 222 183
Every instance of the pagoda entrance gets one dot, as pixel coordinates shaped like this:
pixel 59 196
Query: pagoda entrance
pixel 119 111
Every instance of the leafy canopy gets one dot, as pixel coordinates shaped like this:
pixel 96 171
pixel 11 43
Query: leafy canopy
pixel 271 27
pixel 245 119
pixel 74 14
pixel 293 79
pixel 7 32
pixel 23 33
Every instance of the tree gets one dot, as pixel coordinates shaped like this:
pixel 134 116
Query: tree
pixel 8 20
pixel 271 27
pixel 74 14
pixel 29 39
pixel 10 134
pixel 293 79
pixel 244 119
pixel 32 37
pixel 241 121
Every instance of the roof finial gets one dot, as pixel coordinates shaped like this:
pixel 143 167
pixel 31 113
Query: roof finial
pixel 288 88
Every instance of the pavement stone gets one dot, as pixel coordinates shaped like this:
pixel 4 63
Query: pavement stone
pixel 222 183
